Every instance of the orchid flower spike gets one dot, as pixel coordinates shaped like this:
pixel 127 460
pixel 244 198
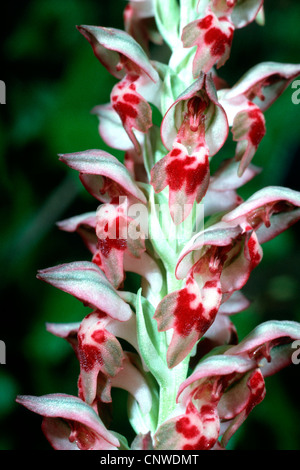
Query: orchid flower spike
pixel 171 212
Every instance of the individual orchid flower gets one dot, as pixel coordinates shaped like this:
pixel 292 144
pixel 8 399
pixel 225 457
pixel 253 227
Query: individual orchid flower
pixel 103 363
pixel 125 59
pixel 98 351
pixel 113 227
pixel 144 265
pixel 198 423
pixel 212 32
pixel 246 101
pixel 109 181
pixel 213 37
pixel 193 130
pixel 104 177
pixel 69 423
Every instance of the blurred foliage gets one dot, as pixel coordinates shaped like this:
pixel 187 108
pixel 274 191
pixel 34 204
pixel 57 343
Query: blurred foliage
pixel 53 81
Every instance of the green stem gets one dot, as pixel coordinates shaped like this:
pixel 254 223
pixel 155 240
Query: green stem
pixel 168 393
pixel 176 375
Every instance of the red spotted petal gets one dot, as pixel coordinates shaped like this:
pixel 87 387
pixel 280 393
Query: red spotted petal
pixel 116 235
pixel 197 429
pixel 133 110
pixel 248 130
pixel 213 38
pixel 111 125
pixel 190 312
pixel 187 177
pixel 240 401
pixel 243 257
pixel 98 351
pixel 111 247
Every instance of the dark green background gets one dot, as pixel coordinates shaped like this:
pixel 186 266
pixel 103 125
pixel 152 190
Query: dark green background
pixel 53 81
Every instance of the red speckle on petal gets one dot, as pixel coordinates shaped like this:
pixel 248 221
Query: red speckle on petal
pixel 175 153
pixel 89 355
pixel 257 129
pixel 179 173
pixel 255 381
pixel 198 175
pixel 255 256
pixel 105 245
pixel 211 284
pixel 213 312
pixel 99 336
pixel 218 41
pixel 101 314
pixel 183 427
pixel 130 98
pixel 187 318
pixel 207 413
pixel 206 22
pixel 125 111
pixel 97 259
pixel 257 386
